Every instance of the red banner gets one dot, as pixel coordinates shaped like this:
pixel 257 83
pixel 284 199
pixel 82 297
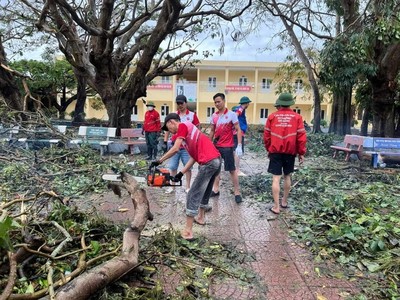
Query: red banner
pixel 238 88
pixel 161 86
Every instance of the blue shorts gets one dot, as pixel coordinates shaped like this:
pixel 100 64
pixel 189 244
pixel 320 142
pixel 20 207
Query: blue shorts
pixel 181 155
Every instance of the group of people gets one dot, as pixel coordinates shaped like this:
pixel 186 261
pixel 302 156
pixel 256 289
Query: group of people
pixel 284 139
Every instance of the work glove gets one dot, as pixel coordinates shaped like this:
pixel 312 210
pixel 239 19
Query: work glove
pixel 155 163
pixel 177 177
pixel 239 151
pixel 164 147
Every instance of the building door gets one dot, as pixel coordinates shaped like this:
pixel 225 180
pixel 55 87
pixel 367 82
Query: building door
pixel 263 115
pixel 134 115
pixel 164 112
pixel 210 111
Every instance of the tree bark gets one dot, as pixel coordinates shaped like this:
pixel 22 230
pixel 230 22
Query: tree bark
pixel 8 89
pixel 93 280
pixel 365 121
pixel 79 113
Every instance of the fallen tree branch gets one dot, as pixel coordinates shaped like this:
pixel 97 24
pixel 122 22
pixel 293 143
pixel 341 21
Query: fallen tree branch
pixel 11 277
pixel 93 280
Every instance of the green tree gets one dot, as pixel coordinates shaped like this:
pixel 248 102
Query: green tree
pixel 368 48
pixel 47 80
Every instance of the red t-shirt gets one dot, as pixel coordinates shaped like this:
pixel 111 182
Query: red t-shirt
pixel 152 121
pixel 224 125
pixel 197 144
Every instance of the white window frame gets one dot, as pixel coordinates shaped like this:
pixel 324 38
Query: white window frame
pixel 243 81
pixel 165 79
pixel 212 82
pixel 266 83
pixel 298 84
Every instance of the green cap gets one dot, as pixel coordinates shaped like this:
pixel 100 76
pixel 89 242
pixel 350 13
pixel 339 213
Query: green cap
pixel 285 99
pixel 150 103
pixel 244 100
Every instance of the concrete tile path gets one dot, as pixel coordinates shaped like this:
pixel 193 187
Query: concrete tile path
pixel 285 269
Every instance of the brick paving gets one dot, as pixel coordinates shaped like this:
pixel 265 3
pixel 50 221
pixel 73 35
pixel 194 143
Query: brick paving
pixel 285 269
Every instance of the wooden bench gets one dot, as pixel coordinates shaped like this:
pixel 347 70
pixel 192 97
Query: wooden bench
pixel 132 137
pixel 95 136
pixel 384 149
pixel 353 144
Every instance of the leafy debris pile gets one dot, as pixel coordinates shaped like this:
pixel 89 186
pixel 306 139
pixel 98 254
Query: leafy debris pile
pixel 346 213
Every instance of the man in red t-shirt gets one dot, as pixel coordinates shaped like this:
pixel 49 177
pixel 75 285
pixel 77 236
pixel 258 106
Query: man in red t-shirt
pixel 224 122
pixel 185 115
pixel 152 130
pixel 202 151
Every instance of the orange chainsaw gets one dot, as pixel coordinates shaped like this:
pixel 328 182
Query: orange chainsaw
pixel 159 177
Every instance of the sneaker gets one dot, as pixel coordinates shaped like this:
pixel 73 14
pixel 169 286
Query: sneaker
pixel 214 194
pixel 148 158
pixel 186 190
pixel 238 198
pixel 241 174
pixel 208 208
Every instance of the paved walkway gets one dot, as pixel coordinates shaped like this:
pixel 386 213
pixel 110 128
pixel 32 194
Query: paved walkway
pixel 287 270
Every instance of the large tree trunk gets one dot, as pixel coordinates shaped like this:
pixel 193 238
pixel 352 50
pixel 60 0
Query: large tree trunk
pixel 9 92
pixel 317 110
pixel 383 95
pixel 341 114
pixel 94 280
pixel 79 114
pixel 365 121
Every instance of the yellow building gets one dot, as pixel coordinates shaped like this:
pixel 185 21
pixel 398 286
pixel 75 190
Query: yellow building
pixel 256 80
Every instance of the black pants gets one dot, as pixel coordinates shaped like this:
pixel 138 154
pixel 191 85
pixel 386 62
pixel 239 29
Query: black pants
pixel 152 142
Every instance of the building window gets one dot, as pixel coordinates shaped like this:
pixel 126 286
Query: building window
pixel 212 82
pixel 297 110
pixel 298 85
pixel 165 79
pixel 210 111
pixel 134 111
pixel 322 115
pixel 266 83
pixel 263 113
pixel 243 81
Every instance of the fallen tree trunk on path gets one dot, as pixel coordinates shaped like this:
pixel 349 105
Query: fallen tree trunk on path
pixel 99 277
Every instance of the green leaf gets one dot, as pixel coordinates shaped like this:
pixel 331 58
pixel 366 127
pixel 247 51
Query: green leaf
pixel 95 246
pixel 371 266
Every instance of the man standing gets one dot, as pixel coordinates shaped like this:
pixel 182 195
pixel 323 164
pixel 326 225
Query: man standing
pixel 223 122
pixel 284 138
pixel 240 111
pixel 186 116
pixel 202 151
pixel 151 129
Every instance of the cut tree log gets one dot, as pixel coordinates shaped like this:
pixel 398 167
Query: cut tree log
pixel 99 277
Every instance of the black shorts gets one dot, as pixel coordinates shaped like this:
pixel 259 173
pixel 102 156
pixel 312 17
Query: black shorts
pixel 279 162
pixel 235 141
pixel 227 156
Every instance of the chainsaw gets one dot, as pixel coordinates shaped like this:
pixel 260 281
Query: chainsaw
pixel 156 177
pixel 159 177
